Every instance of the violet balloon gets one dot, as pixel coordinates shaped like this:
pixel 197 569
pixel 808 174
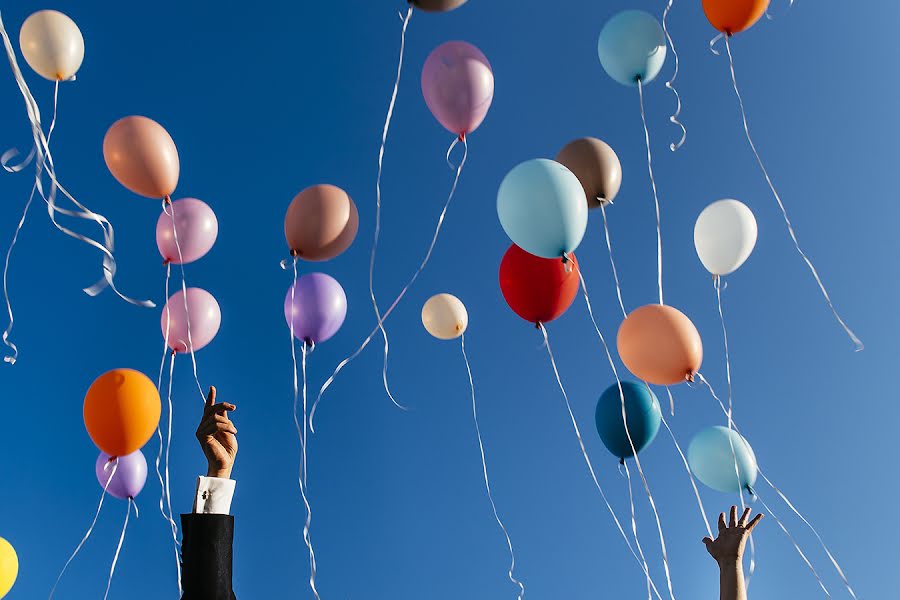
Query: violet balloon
pixel 458 85
pixel 203 315
pixel 129 476
pixel 317 307
pixel 195 226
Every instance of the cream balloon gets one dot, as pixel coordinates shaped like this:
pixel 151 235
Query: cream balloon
pixel 445 317
pixel 52 45
pixel 725 235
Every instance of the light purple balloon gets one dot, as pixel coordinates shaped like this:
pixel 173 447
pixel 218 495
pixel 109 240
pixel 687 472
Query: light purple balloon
pixel 317 309
pixel 129 477
pixel 196 226
pixel 458 86
pixel 204 315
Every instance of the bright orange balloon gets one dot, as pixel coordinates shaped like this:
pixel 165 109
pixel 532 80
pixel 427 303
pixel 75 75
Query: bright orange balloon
pixel 734 16
pixel 121 411
pixel 660 345
pixel 141 155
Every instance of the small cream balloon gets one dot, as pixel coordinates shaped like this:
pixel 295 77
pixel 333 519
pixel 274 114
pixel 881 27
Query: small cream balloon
pixel 52 45
pixel 444 316
pixel 724 236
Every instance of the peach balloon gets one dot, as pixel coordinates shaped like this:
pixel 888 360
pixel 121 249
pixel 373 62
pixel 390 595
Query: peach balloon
pixel 660 345
pixel 121 411
pixel 320 223
pixel 141 155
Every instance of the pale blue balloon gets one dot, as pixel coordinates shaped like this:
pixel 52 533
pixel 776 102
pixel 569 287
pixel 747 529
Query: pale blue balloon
pixel 713 461
pixel 632 46
pixel 542 209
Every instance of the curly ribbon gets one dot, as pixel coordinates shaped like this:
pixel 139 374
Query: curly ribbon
pixel 396 302
pixel 687 469
pixel 659 262
pixel 671 83
pixel 301 478
pixel 637 541
pixel 769 15
pixel 612 260
pixel 590 465
pixel 856 341
pixel 112 568
pixel 487 482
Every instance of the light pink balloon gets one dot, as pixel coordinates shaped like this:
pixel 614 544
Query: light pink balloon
pixel 205 319
pixel 196 227
pixel 458 86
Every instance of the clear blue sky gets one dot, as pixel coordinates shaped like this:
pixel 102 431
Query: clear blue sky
pixel 266 98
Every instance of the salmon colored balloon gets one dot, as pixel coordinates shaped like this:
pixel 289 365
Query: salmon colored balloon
pixel 141 155
pixel 537 289
pixel 320 223
pixel 734 16
pixel 458 86
pixel 660 345
pixel 190 322
pixel 121 411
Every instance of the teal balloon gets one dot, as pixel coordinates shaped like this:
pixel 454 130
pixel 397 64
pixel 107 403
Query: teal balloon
pixel 713 461
pixel 542 209
pixel 632 46
pixel 643 417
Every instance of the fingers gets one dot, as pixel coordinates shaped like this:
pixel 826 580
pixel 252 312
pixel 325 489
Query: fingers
pixel 742 522
pixel 732 519
pixel 218 409
pixel 722 525
pixel 211 397
pixel 754 522
pixel 211 428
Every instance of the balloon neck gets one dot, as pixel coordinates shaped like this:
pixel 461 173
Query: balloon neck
pixel 308 342
pixel 750 491
pixel 537 324
pixel 622 462
pixel 689 378
pixel 167 200
pixel 602 201
pixel 295 253
pixel 462 137
pixel 167 262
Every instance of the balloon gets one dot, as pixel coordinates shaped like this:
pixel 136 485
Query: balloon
pixel 52 45
pixel 643 417
pixel 724 235
pixel 458 86
pixel 659 344
pixel 542 209
pixel 9 567
pixel 141 155
pixel 121 411
pixel 320 223
pixel 632 47
pixel 445 317
pixel 537 289
pixel 713 461
pixel 437 5
pixel 196 228
pixel 203 317
pixel 318 307
pixel 129 477
pixel 596 166
pixel 734 16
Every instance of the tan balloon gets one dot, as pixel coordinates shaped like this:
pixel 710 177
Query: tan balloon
pixel 660 345
pixel 437 5
pixel 597 167
pixel 320 223
pixel 141 155
pixel 445 317
pixel 52 45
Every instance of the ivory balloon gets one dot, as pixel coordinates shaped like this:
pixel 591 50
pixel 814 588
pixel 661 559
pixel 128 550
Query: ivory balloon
pixel 660 345
pixel 445 317
pixel 596 166
pixel 52 45
pixel 142 156
pixel 724 236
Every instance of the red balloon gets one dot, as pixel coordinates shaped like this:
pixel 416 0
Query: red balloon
pixel 538 289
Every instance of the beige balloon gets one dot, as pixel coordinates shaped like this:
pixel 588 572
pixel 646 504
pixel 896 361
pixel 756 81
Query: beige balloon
pixel 445 317
pixel 52 45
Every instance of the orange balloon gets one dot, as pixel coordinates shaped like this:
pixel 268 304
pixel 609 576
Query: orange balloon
pixel 320 223
pixel 660 345
pixel 121 411
pixel 142 156
pixel 734 16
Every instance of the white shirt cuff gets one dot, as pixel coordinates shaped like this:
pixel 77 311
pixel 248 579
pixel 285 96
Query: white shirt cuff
pixel 214 496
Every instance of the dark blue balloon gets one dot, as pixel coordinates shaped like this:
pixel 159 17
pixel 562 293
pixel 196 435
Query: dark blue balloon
pixel 642 415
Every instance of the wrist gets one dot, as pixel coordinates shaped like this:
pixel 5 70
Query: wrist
pixel 729 564
pixel 221 473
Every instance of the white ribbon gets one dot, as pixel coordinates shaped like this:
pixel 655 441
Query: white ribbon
pixel 771 17
pixel 612 261
pixel 637 541
pixel 687 469
pixel 671 83
pixel 659 262
pixel 112 568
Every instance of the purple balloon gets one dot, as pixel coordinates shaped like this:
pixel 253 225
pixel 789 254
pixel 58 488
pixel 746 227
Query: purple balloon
pixel 317 309
pixel 196 226
pixel 458 86
pixel 129 477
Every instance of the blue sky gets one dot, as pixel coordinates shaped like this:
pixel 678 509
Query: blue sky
pixel 267 98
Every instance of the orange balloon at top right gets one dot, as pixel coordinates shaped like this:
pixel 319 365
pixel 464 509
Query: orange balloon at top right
pixel 734 16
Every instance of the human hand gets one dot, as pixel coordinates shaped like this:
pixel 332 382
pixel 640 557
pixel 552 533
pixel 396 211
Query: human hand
pixel 728 547
pixel 217 437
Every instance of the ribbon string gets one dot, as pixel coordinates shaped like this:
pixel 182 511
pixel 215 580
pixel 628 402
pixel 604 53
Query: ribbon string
pixel 637 541
pixel 612 261
pixel 302 475
pixel 112 568
pixel 687 468
pixel 670 84
pixel 659 263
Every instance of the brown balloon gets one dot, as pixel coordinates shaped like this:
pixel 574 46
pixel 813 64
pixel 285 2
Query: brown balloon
pixel 141 155
pixel 597 168
pixel 437 5
pixel 660 345
pixel 320 223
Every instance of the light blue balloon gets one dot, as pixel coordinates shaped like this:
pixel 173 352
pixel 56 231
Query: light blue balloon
pixel 713 461
pixel 632 46
pixel 542 209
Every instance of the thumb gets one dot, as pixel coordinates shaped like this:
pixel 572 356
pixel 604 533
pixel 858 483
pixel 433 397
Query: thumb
pixel 211 397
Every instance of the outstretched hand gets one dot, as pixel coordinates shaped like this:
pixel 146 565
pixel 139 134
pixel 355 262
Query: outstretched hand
pixel 728 547
pixel 217 436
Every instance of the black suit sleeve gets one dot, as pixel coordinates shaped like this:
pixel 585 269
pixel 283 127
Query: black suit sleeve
pixel 206 551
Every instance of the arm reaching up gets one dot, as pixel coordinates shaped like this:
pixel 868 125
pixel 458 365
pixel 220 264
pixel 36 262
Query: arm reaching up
pixel 728 550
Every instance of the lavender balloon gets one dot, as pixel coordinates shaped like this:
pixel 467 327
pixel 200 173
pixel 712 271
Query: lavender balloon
pixel 317 309
pixel 196 227
pixel 129 477
pixel 458 85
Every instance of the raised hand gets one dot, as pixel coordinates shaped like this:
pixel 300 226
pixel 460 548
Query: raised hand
pixel 728 547
pixel 217 436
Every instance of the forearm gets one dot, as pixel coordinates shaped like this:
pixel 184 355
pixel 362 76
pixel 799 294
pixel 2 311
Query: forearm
pixel 731 581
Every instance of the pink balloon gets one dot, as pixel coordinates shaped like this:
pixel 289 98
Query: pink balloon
pixel 205 319
pixel 196 227
pixel 458 86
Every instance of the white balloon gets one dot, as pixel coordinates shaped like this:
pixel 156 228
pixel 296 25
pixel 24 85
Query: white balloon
pixel 724 235
pixel 52 45
pixel 444 316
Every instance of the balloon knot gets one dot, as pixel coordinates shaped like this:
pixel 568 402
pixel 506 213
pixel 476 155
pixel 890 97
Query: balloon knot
pixel 537 324
pixel 308 342
pixel 166 261
pixel 622 462
pixel 167 200
pixel 689 377
pixel 462 137
pixel 295 253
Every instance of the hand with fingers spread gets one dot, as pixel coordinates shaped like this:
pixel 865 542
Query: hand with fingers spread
pixel 218 436
pixel 728 550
